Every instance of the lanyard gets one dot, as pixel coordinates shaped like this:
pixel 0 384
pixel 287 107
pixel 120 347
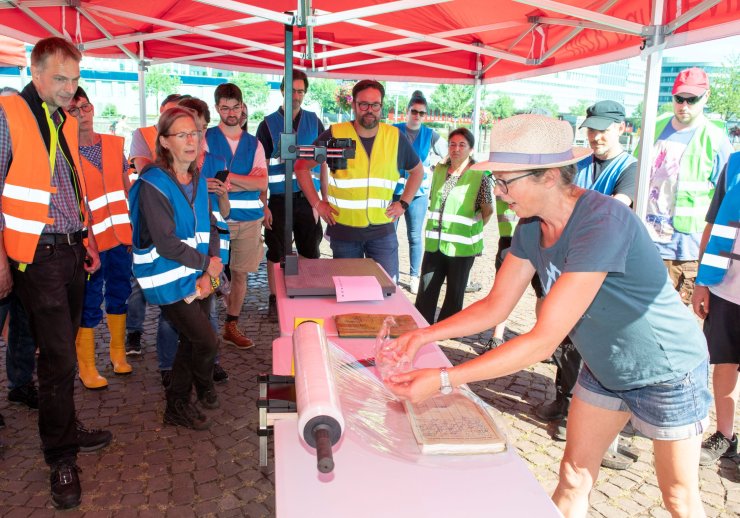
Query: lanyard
pixel 54 131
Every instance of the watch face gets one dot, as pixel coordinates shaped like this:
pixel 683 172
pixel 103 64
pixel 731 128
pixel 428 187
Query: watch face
pixel 446 390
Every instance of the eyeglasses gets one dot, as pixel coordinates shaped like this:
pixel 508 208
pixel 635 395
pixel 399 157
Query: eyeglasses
pixel 229 109
pixel 184 135
pixel 504 184
pixel 418 113
pixel 74 112
pixel 689 100
pixel 458 145
pixel 363 106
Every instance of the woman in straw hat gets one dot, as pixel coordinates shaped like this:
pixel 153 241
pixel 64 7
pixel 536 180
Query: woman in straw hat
pixel 645 359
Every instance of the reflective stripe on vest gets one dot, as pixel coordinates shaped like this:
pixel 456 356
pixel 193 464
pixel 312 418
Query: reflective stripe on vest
pixel 165 281
pixel 422 144
pixel 108 203
pixel 245 205
pixel 27 192
pixel 308 130
pixel 457 229
pixel 363 191
pixel 725 231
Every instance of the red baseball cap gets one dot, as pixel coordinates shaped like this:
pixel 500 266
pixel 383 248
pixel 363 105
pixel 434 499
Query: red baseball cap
pixel 692 80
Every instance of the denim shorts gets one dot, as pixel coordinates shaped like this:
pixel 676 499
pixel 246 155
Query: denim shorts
pixel 669 411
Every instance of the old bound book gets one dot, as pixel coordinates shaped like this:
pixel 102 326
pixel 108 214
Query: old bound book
pixel 367 325
pixel 454 425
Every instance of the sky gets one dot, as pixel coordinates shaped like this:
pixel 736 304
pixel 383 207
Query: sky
pixel 719 50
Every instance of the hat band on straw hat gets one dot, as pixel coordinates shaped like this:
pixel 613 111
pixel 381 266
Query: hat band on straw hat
pixel 529 158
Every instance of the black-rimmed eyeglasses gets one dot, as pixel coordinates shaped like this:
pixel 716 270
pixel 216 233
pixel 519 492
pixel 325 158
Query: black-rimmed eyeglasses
pixel 504 184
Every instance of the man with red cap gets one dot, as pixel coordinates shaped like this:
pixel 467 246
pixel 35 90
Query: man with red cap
pixel 688 154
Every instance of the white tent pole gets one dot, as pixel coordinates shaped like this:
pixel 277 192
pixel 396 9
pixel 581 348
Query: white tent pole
pixel 654 48
pixel 475 122
pixel 142 87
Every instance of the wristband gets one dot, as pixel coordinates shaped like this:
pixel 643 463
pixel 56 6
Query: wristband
pixel 404 205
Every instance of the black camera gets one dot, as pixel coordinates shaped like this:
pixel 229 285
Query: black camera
pixel 338 150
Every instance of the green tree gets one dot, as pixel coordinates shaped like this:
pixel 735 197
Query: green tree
pixel 254 88
pixel 110 110
pixel 544 104
pixel 502 107
pixel 580 107
pixel 454 100
pixel 321 92
pixel 724 97
pixel 159 83
pixel 665 108
pixel 636 118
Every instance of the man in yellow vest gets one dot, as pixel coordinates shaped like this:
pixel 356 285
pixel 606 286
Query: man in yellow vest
pixel 688 154
pixel 360 210
pixel 44 252
pixel 104 168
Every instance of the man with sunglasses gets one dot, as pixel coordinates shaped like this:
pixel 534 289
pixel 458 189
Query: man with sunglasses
pixel 360 210
pixel 688 154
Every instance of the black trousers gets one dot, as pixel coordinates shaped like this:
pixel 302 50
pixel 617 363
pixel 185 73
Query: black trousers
pixel 196 353
pixel 435 268
pixel 52 290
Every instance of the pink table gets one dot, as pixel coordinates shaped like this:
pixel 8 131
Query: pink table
pixel 367 483
pixel 327 307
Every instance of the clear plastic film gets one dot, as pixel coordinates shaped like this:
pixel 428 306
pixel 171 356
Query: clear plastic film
pixel 377 419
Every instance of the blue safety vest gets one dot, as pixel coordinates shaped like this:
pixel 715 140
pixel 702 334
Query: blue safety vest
pixel 162 280
pixel 212 165
pixel 308 130
pixel 718 254
pixel 245 205
pixel 422 145
pixel 607 180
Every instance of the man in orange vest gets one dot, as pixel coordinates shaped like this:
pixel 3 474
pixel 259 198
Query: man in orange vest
pixel 104 168
pixel 44 252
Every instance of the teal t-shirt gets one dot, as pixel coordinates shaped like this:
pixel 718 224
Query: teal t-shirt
pixel 636 332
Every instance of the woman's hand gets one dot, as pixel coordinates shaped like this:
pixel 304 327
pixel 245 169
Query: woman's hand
pixel 214 267
pixel 217 187
pixel 406 345
pixel 416 386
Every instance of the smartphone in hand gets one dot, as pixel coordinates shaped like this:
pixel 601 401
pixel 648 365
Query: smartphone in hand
pixel 221 175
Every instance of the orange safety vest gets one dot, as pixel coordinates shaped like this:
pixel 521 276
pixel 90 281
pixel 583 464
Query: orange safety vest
pixel 27 192
pixel 111 225
pixel 150 137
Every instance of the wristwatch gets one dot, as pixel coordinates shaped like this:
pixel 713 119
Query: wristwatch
pixel 444 382
pixel 404 204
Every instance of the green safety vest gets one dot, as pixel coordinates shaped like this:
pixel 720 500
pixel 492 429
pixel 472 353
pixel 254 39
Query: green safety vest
pixel 456 231
pixel 507 219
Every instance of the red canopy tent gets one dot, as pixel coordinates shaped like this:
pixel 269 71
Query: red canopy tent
pixel 12 52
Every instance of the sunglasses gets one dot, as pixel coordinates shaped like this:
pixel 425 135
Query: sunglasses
pixel 418 113
pixel 678 99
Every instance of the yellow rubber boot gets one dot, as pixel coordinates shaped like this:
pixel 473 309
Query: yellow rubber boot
pixel 89 375
pixel 117 328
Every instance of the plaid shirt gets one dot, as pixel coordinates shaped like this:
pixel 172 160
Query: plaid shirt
pixel 94 154
pixel 63 206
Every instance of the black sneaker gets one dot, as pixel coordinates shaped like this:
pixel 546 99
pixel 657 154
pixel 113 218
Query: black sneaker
pixel 552 412
pixel 716 447
pixel 209 400
pixel 25 395
pixel 92 440
pixel 133 343
pixel 184 413
pixel 219 374
pixel 166 378
pixel 66 492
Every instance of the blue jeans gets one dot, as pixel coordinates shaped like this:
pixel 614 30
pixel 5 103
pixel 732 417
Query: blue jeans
pixel 384 251
pixel 20 354
pixel 414 216
pixel 112 282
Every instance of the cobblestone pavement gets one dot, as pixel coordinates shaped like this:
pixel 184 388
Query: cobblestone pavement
pixel 156 470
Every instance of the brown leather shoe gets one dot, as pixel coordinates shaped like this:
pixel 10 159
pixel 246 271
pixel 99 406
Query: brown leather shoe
pixel 234 336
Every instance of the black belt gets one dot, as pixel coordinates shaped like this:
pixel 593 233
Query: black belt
pixel 61 239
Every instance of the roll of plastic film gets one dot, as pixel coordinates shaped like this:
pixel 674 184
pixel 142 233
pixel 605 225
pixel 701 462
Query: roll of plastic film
pixel 320 420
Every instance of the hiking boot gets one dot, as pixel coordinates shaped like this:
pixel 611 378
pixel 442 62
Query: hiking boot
pixel 66 492
pixel 219 374
pixel 166 378
pixel 209 400
pixel 184 413
pixel 414 285
pixel 133 343
pixel 272 308
pixel 716 447
pixel 552 411
pixel 234 336
pixel 92 440
pixel 25 395
pixel 493 343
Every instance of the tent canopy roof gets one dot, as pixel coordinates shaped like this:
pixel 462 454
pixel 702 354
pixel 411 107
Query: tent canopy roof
pixel 425 40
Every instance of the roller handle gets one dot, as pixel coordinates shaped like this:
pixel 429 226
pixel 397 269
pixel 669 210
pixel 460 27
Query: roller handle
pixel 324 456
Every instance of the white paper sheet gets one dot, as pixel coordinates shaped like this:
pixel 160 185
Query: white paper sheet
pixel 356 288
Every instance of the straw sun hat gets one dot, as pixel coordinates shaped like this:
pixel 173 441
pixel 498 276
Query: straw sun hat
pixel 526 142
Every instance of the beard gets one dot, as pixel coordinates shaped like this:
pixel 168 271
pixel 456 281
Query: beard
pixel 230 121
pixel 369 121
